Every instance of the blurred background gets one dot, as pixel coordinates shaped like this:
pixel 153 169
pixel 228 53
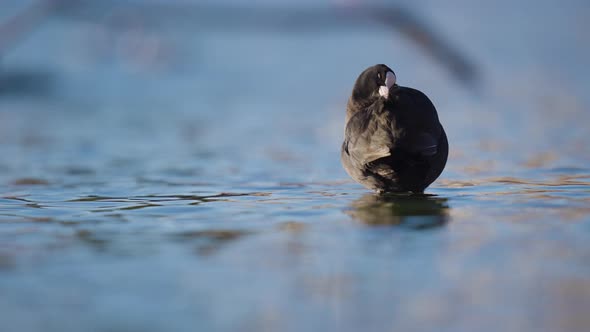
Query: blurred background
pixel 174 165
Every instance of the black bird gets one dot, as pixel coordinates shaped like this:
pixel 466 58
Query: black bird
pixel 393 140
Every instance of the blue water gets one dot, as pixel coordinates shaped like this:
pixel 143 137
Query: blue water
pixel 161 172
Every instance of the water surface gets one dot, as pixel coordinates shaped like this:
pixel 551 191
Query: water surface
pixel 164 175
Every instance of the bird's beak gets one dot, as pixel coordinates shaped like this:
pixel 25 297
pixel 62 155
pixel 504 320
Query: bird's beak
pixel 389 82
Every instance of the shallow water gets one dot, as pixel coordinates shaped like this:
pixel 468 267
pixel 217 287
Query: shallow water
pixel 191 181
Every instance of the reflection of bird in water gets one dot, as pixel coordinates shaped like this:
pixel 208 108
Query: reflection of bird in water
pixel 412 211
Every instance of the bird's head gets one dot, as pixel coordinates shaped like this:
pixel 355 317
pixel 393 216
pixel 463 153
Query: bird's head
pixel 375 82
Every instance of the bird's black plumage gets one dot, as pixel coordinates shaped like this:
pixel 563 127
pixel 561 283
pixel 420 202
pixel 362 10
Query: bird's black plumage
pixel 393 140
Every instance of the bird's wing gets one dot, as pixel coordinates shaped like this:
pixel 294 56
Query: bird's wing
pixel 369 153
pixel 424 145
pixel 367 137
pixel 423 139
